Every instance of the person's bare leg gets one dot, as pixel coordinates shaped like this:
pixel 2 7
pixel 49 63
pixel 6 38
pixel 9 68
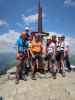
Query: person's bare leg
pixel 54 71
pixel 18 70
pixel 59 66
pixel 62 68
pixel 33 70
pixel 49 66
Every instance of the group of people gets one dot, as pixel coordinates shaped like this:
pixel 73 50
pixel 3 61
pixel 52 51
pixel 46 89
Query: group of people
pixel 29 50
pixel 58 55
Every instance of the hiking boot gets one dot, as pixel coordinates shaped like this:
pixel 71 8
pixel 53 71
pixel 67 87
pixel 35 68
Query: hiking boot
pixel 33 78
pixel 54 75
pixel 63 74
pixel 17 81
pixel 69 70
pixel 60 71
pixel 25 78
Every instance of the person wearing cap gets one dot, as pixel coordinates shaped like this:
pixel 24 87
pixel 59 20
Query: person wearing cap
pixel 48 52
pixel 51 48
pixel 22 52
pixel 48 40
pixel 29 38
pixel 54 38
pixel 28 32
pixel 58 44
pixel 54 68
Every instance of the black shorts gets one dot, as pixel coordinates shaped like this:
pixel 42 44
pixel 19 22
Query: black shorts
pixel 58 56
pixel 37 56
pixel 49 56
pixel 52 58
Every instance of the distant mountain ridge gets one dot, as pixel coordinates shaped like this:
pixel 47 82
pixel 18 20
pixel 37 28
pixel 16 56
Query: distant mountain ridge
pixel 8 60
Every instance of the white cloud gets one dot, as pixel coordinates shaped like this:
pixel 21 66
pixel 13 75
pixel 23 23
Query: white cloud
pixel 3 23
pixel 69 3
pixel 30 18
pixel 55 33
pixel 8 40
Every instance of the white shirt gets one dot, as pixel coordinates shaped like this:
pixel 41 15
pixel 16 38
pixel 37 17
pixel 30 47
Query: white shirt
pixel 51 48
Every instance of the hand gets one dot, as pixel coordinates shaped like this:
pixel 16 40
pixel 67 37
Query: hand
pixel 17 56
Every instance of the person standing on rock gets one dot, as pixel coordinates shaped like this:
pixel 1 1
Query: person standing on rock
pixel 51 52
pixel 62 47
pixel 29 38
pixel 54 68
pixel 22 51
pixel 58 44
pixel 36 52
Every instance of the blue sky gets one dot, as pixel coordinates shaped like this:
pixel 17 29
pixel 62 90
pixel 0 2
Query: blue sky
pixel 59 15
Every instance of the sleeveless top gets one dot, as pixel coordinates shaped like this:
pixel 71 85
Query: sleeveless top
pixel 51 48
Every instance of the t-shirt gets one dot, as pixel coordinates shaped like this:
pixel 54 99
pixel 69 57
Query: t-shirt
pixel 23 45
pixel 36 47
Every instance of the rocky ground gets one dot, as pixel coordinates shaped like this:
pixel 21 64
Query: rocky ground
pixel 44 88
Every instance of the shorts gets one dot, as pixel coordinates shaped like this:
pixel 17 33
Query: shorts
pixel 51 58
pixel 58 56
pixel 23 56
pixel 37 56
pixel 19 62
